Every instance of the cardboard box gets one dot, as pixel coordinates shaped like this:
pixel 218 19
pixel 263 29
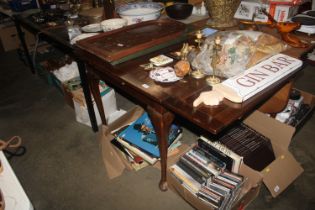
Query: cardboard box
pixel 281 13
pixel 62 88
pixel 278 175
pixel 309 99
pixel 249 191
pixel 114 163
pixel 43 73
pixel 10 39
pixel 109 104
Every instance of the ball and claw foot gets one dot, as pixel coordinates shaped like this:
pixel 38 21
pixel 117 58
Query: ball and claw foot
pixel 163 186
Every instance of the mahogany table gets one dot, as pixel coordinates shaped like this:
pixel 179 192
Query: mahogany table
pixel 163 101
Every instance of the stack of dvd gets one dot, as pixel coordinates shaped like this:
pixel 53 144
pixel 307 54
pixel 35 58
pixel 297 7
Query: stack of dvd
pixel 206 176
pixel 255 148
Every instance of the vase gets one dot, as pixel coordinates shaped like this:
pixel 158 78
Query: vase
pixel 221 12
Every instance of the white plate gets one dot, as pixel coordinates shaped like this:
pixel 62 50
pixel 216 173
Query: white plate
pixel 82 36
pixel 164 75
pixel 95 27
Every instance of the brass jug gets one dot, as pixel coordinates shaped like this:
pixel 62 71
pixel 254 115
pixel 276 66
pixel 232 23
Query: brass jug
pixel 221 12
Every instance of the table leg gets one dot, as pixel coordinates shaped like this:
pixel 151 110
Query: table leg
pixel 93 81
pixel 87 94
pixel 22 40
pixel 161 120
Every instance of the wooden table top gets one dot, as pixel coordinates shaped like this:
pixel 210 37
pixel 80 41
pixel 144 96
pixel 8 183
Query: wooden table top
pixel 178 97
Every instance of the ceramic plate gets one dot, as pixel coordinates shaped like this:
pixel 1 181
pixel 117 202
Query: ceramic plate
pixel 164 75
pixel 95 27
pixel 82 36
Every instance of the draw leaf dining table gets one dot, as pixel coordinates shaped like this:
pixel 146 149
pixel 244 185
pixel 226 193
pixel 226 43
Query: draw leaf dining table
pixel 115 57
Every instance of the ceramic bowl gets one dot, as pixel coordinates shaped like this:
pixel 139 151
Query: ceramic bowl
pixel 139 12
pixel 113 23
pixel 179 11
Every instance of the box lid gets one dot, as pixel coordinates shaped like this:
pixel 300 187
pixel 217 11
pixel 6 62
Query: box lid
pixel 113 162
pixel 281 173
pixel 279 133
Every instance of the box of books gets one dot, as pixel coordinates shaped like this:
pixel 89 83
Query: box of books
pixel 114 162
pixel 203 178
pixel 225 171
pixel 130 142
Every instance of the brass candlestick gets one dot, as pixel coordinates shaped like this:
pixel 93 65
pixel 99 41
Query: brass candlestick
pixel 212 80
pixel 198 39
pixel 197 74
pixel 184 51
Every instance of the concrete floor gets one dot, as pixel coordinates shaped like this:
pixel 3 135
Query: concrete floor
pixel 63 167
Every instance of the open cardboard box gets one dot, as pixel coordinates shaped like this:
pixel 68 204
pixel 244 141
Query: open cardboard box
pixel 114 163
pixel 279 174
pixel 309 99
pixel 249 190
pixel 248 193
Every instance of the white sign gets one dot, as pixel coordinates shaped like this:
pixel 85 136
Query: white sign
pixel 260 76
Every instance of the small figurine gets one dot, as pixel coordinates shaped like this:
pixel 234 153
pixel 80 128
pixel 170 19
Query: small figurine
pixel 215 61
pixel 210 98
pixel 184 51
pixel 182 67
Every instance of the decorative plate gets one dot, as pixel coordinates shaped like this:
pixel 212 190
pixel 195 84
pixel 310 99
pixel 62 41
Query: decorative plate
pixel 92 28
pixel 164 75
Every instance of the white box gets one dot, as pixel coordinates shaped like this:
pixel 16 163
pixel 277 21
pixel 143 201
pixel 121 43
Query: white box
pixel 13 193
pixel 110 109
pixel 281 13
pixel 284 12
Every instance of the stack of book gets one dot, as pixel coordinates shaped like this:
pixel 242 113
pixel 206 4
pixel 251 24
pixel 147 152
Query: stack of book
pixel 138 142
pixel 204 171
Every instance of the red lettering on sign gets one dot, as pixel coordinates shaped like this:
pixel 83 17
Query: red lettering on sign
pixel 245 83
pixel 270 68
